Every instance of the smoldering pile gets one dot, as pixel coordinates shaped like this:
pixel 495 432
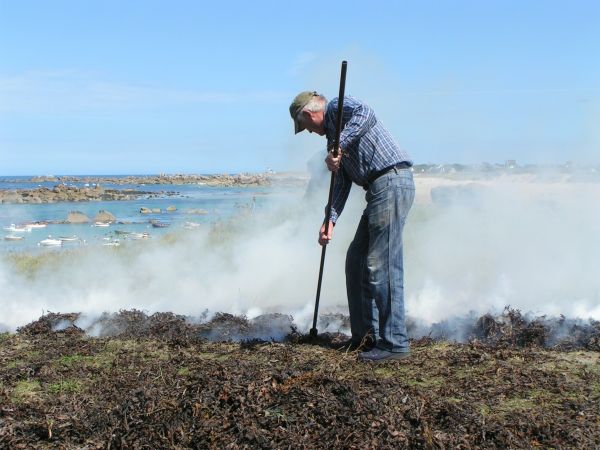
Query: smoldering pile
pixel 511 328
pixel 164 326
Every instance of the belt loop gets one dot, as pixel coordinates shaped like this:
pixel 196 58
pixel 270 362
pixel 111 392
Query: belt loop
pixel 396 169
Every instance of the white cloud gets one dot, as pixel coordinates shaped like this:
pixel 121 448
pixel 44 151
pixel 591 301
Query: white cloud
pixel 75 91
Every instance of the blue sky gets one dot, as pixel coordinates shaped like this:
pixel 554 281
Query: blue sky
pixel 200 87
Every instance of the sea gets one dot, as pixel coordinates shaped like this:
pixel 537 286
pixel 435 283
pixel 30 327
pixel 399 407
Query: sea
pixel 196 206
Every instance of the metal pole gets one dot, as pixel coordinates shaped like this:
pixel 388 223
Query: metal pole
pixel 336 145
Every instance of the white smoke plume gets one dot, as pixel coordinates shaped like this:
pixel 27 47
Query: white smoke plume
pixel 514 241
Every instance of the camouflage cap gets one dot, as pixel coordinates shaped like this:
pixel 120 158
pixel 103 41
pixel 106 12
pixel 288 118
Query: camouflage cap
pixel 300 101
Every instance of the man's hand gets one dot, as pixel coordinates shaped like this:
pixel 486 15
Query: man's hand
pixel 324 239
pixel 333 162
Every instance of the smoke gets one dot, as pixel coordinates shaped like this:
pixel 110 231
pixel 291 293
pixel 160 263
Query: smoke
pixel 260 262
pixel 518 242
pixel 474 249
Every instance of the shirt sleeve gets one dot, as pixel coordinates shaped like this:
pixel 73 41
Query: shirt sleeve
pixel 341 189
pixel 360 120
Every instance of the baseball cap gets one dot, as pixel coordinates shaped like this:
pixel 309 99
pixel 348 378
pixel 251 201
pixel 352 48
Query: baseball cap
pixel 299 102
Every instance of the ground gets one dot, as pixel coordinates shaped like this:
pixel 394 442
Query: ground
pixel 163 385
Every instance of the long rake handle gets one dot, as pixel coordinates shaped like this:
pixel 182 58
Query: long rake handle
pixel 336 144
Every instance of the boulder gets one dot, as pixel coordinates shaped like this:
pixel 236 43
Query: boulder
pixel 156 210
pixel 105 217
pixel 171 209
pixel 77 217
pixel 11 197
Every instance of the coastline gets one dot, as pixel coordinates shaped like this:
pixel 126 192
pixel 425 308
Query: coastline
pixel 72 188
pixel 65 191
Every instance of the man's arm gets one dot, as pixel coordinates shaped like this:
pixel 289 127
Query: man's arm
pixel 341 189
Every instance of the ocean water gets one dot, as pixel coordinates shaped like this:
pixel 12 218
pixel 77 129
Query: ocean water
pixel 220 203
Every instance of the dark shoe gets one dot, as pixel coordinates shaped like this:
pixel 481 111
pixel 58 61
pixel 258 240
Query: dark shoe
pixel 378 355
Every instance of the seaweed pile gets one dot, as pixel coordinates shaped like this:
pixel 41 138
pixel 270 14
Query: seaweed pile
pixel 159 382
pixel 512 328
pixel 509 329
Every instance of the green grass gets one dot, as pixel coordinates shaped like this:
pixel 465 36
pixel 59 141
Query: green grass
pixel 425 382
pixel 64 387
pixel 385 372
pixel 101 360
pixel 14 364
pixel 183 371
pixel 517 403
pixel 146 351
pixel 29 265
pixel 484 410
pixel 71 360
pixel 25 391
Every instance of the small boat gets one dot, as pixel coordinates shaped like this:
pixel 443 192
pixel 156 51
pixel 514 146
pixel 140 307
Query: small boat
pixel 191 225
pixel 36 225
pixel 13 237
pixel 101 224
pixel 156 224
pixel 138 236
pixel 49 242
pixel 69 238
pixel 18 229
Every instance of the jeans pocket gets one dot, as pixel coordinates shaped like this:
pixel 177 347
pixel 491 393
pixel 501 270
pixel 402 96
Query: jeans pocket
pixel 404 179
pixel 379 185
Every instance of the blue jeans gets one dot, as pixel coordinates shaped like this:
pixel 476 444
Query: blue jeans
pixel 374 264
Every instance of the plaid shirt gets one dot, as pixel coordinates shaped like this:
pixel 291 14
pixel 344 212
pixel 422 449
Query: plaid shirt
pixel 367 147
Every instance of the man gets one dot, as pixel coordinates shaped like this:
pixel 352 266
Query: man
pixel 369 157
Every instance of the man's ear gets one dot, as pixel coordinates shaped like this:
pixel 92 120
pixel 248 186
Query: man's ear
pixel 305 114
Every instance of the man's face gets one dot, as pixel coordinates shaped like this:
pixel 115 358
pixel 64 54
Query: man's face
pixel 313 121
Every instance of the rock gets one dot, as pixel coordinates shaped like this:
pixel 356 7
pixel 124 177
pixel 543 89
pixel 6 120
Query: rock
pixel 41 179
pixel 11 197
pixel 171 209
pixel 105 217
pixel 156 210
pixel 145 210
pixel 77 217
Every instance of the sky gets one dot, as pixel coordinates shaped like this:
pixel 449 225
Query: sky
pixel 132 87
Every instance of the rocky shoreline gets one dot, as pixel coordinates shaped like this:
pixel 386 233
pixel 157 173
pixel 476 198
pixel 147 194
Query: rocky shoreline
pixel 64 191
pixel 260 179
